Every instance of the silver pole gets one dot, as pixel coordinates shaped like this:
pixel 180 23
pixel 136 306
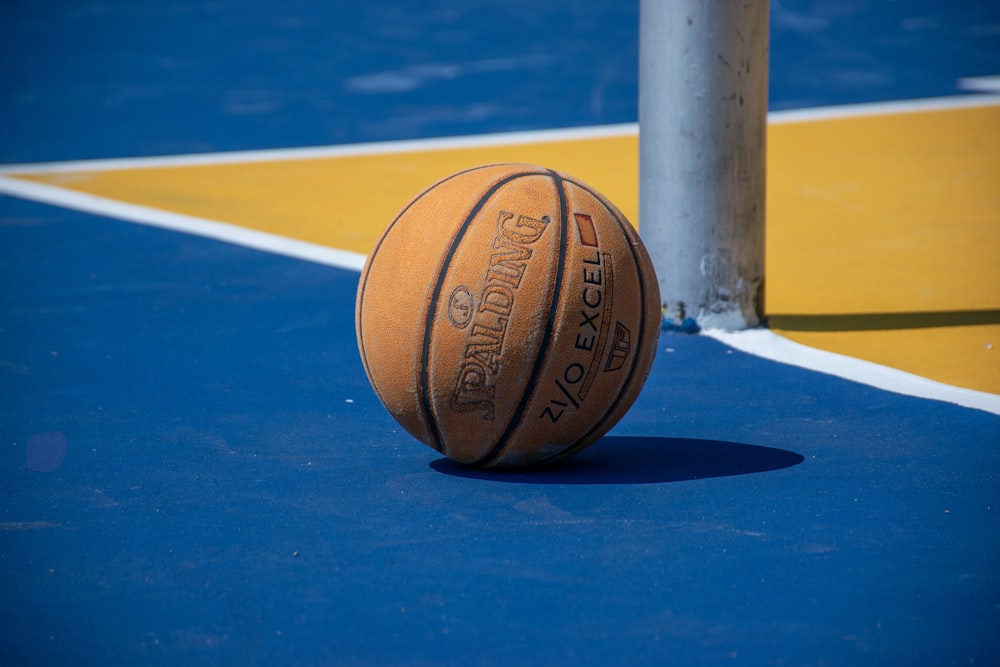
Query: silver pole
pixel 702 148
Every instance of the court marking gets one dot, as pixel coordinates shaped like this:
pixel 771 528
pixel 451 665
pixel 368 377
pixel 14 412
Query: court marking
pixel 324 152
pixel 761 343
pixel 839 112
pixel 179 222
pixel 983 84
pixel 766 344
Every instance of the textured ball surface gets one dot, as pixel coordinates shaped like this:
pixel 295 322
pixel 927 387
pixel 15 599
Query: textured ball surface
pixel 508 316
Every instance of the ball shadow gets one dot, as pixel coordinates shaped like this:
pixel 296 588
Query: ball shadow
pixel 639 460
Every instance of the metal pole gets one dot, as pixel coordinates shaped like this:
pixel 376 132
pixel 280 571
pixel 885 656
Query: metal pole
pixel 702 147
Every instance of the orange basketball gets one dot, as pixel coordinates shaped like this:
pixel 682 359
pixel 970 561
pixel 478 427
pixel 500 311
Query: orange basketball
pixel 508 316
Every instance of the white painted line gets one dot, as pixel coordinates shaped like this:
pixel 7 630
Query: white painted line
pixel 323 152
pixel 769 345
pixel 882 108
pixel 980 84
pixel 221 231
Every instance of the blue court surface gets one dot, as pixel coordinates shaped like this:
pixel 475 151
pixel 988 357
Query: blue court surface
pixel 195 470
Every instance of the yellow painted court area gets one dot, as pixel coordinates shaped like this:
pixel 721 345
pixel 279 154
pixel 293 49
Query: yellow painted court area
pixel 884 214
pixel 867 216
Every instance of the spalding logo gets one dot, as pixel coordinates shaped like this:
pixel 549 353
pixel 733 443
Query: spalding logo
pixel 460 307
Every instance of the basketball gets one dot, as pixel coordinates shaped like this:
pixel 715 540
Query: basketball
pixel 508 316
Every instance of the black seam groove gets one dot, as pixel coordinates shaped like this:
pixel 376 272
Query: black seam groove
pixel 371 260
pixel 542 354
pixel 422 385
pixel 576 446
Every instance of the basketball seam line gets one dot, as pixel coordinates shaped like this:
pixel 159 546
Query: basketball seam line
pixel 543 348
pixel 431 313
pixel 576 446
pixel 371 260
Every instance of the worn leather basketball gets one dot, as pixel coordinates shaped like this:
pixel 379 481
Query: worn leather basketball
pixel 508 316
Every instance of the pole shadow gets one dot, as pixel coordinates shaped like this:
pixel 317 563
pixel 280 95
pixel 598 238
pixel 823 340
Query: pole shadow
pixel 639 460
